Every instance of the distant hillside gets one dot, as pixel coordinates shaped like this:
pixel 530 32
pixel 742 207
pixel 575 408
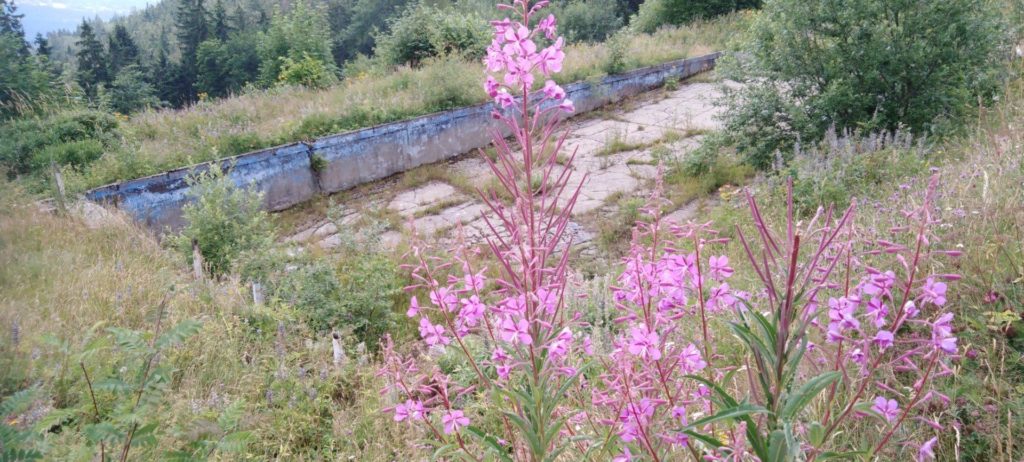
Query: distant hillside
pixel 152 27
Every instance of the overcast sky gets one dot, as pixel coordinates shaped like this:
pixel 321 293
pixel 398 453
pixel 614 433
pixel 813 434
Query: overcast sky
pixel 50 15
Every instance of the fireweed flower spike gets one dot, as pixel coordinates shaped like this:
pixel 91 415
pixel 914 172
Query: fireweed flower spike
pixel 520 315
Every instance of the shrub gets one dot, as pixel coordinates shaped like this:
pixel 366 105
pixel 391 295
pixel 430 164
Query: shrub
pixel 301 31
pixel 588 21
pixel 424 31
pixel 309 72
pixel 224 220
pixel 656 13
pixel 74 153
pixel 354 293
pixel 75 138
pixel 864 64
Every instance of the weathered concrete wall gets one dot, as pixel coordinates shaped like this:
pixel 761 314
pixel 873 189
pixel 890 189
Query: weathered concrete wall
pixel 286 177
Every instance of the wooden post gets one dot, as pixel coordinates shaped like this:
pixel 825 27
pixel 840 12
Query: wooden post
pixel 197 261
pixel 61 193
pixel 257 294
pixel 339 352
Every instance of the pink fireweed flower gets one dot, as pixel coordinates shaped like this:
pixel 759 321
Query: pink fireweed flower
pixel 548 300
pixel 559 347
pixel 910 309
pixel 547 25
pixel 514 332
pixel 879 283
pixel 496 60
pixel 472 311
pixel 927 450
pixel 444 298
pixel 504 99
pixel 553 91
pixel 474 281
pixel 877 310
pixel 414 307
pixel 517 41
pixel 690 360
pixel 888 408
pixel 721 298
pixel 858 356
pixel 883 339
pixel 626 456
pixel 644 344
pixel 567 106
pixel 500 26
pixel 945 344
pixel 433 334
pixel 720 268
pixel 491 86
pixel 520 71
pixel 409 410
pixel 933 292
pixel 453 421
pixel 550 58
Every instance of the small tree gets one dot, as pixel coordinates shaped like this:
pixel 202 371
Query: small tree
pixel 92 61
pixel 302 31
pixel 130 91
pixel 861 64
pixel 224 220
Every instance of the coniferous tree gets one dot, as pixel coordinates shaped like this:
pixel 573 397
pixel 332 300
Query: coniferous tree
pixel 164 73
pixel 238 20
pixel 42 46
pixel 192 31
pixel 123 50
pixel 10 23
pixel 221 25
pixel 92 61
pixel 24 79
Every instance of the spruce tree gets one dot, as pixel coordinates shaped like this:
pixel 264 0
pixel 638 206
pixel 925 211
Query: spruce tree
pixel 123 50
pixel 164 73
pixel 221 25
pixel 42 46
pixel 238 20
pixel 10 24
pixel 192 31
pixel 92 61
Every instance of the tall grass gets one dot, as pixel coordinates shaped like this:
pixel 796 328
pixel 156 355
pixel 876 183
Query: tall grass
pixel 165 139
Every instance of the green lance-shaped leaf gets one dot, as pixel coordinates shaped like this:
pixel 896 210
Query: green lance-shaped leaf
pixel 798 400
pixel 732 413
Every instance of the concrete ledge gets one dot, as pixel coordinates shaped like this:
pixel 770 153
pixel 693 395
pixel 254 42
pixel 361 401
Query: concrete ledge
pixel 286 177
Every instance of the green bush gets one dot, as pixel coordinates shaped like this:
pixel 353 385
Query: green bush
pixel 302 31
pixel 656 13
pixel 74 153
pixel 868 65
pixel 424 31
pixel 355 292
pixel 587 21
pixel 308 72
pixel 70 138
pixel 226 221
